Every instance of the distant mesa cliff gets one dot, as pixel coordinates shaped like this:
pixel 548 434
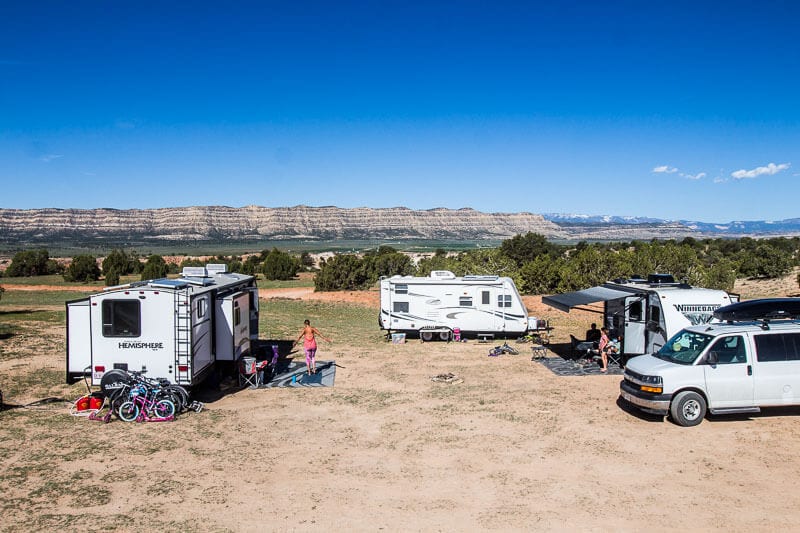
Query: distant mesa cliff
pixel 253 222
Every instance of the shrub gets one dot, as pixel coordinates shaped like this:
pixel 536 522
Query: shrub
pixel 32 263
pixel 341 272
pixel 121 261
pixel 280 265
pixel 112 276
pixel 82 268
pixel 154 268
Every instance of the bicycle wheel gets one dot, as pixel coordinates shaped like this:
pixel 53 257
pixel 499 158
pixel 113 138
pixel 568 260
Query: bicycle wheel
pixel 164 408
pixel 181 397
pixel 128 411
pixel 512 351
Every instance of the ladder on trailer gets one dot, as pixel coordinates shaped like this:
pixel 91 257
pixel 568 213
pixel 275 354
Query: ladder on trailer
pixel 183 338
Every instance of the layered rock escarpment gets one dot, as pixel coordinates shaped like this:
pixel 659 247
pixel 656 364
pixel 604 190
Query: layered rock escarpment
pixel 254 222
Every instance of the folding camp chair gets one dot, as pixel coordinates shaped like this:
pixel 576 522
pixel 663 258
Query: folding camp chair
pixel 615 357
pixel 249 373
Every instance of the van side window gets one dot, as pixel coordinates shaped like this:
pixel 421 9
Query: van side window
pixel 655 314
pixel 122 318
pixel 400 307
pixel 730 350
pixel 778 347
pixel 635 311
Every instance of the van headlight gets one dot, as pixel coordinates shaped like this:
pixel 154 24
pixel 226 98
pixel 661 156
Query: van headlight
pixel 651 384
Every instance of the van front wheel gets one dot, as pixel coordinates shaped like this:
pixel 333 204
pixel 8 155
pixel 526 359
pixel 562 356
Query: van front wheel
pixel 687 409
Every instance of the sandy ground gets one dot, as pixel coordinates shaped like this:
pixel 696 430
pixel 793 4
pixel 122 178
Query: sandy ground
pixel 512 447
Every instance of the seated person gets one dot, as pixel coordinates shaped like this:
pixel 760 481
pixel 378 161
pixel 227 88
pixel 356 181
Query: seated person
pixel 593 334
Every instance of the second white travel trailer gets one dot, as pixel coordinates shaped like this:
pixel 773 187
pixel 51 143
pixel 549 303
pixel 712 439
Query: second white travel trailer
pixel 436 306
pixel 646 312
pixel 171 328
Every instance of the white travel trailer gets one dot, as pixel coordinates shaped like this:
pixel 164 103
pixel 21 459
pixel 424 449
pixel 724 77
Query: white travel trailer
pixel 646 312
pixel 171 328
pixel 435 306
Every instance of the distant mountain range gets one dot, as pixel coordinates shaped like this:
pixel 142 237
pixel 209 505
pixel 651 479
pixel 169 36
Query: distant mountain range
pixel 739 228
pixel 255 223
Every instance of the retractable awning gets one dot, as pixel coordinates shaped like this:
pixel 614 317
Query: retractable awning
pixel 568 300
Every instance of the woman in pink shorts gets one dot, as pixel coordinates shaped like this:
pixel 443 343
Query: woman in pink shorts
pixel 309 336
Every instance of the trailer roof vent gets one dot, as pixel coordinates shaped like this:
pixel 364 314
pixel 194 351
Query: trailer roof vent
pixel 481 277
pixel 194 272
pixel 442 274
pixel 216 268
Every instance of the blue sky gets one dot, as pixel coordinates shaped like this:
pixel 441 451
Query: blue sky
pixel 676 110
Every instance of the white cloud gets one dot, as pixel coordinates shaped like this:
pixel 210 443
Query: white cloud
pixel 665 169
pixel 769 170
pixel 697 176
pixel 720 179
pixel 49 157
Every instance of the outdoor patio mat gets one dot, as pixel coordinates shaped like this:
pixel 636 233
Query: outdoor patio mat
pixel 568 367
pixel 294 375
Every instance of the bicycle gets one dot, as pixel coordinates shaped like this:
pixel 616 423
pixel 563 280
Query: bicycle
pixel 505 348
pixel 144 407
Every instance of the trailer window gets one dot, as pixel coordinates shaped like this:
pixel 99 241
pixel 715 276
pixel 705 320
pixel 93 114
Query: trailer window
pixel 122 318
pixel 237 316
pixel 400 307
pixel 503 300
pixel 401 289
pixel 486 298
pixel 201 308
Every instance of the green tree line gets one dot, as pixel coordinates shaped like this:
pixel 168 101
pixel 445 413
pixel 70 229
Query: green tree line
pixel 541 267
pixel 536 265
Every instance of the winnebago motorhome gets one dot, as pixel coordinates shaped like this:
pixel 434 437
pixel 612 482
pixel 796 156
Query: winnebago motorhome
pixel 170 328
pixel 434 306
pixel 646 312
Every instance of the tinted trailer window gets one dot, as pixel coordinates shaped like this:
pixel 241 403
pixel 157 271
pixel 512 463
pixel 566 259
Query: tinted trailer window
pixel 122 318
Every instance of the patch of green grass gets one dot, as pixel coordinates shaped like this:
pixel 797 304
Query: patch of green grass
pixel 283 319
pixel 287 284
pixel 33 299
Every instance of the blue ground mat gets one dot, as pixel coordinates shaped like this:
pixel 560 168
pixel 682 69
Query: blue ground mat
pixel 294 374
pixel 580 367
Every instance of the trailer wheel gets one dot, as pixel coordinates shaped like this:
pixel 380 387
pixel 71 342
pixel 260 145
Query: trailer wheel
pixel 687 409
pixel 426 336
pixel 445 335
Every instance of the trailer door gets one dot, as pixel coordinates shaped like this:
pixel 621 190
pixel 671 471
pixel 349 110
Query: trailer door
pixel 233 326
pixel 634 334
pixel 79 339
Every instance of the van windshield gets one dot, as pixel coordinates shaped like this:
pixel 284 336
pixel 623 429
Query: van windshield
pixel 684 347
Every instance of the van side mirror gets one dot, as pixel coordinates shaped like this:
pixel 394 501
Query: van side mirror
pixel 712 358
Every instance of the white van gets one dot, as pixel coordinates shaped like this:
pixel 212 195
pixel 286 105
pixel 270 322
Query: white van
pixel 748 359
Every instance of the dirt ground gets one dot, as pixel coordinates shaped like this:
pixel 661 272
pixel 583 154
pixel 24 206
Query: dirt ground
pixel 511 447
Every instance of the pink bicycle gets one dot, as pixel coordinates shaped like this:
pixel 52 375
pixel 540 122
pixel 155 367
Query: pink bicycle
pixel 142 406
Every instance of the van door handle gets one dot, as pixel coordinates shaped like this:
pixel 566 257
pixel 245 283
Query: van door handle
pixel 749 370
